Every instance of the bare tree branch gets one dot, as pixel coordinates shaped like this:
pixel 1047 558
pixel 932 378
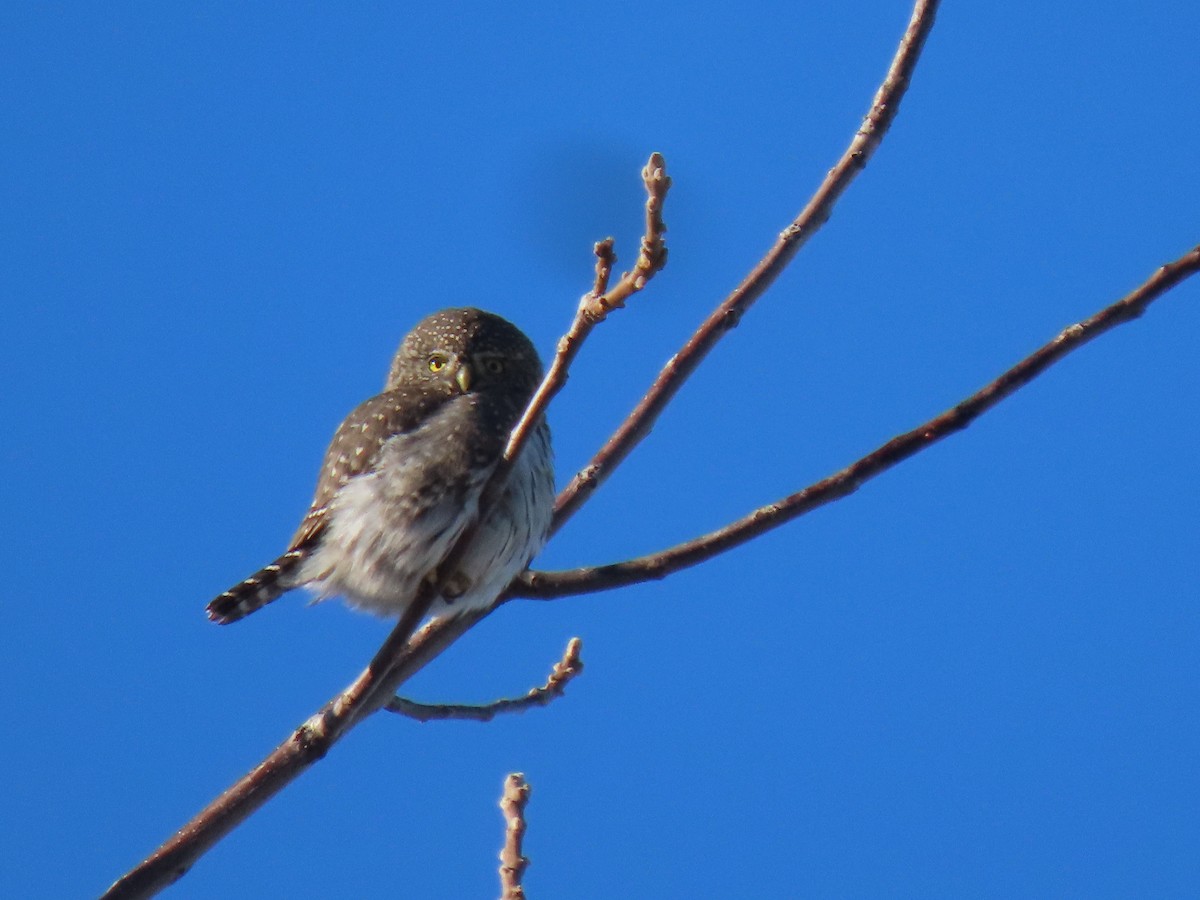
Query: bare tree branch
pixel 391 665
pixel 727 315
pixel 560 676
pixel 307 744
pixel 548 585
pixel 401 656
pixel 404 652
pixel 512 863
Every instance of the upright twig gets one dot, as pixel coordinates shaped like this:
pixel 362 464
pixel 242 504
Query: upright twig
pixel 512 863
pixel 727 315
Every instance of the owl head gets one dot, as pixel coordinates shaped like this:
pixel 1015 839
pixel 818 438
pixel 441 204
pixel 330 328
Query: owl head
pixel 467 351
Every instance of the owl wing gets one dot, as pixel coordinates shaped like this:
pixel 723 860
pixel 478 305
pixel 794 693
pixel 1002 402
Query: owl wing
pixel 356 444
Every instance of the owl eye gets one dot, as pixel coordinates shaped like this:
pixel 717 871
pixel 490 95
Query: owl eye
pixel 437 362
pixel 493 365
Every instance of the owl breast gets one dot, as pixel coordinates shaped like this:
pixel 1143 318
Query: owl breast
pixel 390 528
pixel 513 533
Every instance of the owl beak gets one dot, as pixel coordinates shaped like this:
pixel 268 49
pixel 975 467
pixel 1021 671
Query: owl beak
pixel 463 377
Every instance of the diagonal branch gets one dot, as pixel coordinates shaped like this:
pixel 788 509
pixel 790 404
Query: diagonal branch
pixel 548 585
pixel 561 675
pixel 727 315
pixel 305 746
pixel 393 664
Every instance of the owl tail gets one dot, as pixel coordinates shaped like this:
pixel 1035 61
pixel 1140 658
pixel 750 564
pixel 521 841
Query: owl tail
pixel 267 584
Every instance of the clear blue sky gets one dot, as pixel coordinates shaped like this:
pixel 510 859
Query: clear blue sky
pixel 976 677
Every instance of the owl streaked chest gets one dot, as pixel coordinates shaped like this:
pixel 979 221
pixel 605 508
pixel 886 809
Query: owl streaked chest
pixel 391 526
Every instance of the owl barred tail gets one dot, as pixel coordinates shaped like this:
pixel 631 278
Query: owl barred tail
pixel 267 584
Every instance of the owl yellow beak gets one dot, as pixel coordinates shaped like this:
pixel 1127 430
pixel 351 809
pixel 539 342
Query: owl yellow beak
pixel 463 377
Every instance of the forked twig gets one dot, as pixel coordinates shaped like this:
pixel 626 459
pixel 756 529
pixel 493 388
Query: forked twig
pixel 595 305
pixel 561 675
pixel 548 585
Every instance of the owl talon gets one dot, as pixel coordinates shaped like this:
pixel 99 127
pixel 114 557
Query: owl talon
pixel 456 585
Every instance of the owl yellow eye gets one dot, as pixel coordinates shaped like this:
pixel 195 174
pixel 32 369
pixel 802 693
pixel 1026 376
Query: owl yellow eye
pixel 437 362
pixel 493 366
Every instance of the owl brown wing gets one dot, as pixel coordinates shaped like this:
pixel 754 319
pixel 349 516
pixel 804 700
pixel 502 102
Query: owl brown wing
pixel 355 447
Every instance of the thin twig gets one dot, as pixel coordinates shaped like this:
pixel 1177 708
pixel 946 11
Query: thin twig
pixel 392 664
pixel 727 315
pixel 560 676
pixel 512 863
pixel 595 305
pixel 548 585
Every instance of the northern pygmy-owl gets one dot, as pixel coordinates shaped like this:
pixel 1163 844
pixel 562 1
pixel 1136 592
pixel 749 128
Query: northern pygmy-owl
pixel 403 476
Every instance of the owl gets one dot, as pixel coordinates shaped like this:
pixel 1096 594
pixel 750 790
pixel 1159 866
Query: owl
pixel 403 476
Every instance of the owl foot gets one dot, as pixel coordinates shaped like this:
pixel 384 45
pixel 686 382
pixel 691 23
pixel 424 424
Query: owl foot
pixel 456 585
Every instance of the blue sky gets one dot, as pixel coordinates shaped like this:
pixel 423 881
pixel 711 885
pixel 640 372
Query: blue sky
pixel 977 676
